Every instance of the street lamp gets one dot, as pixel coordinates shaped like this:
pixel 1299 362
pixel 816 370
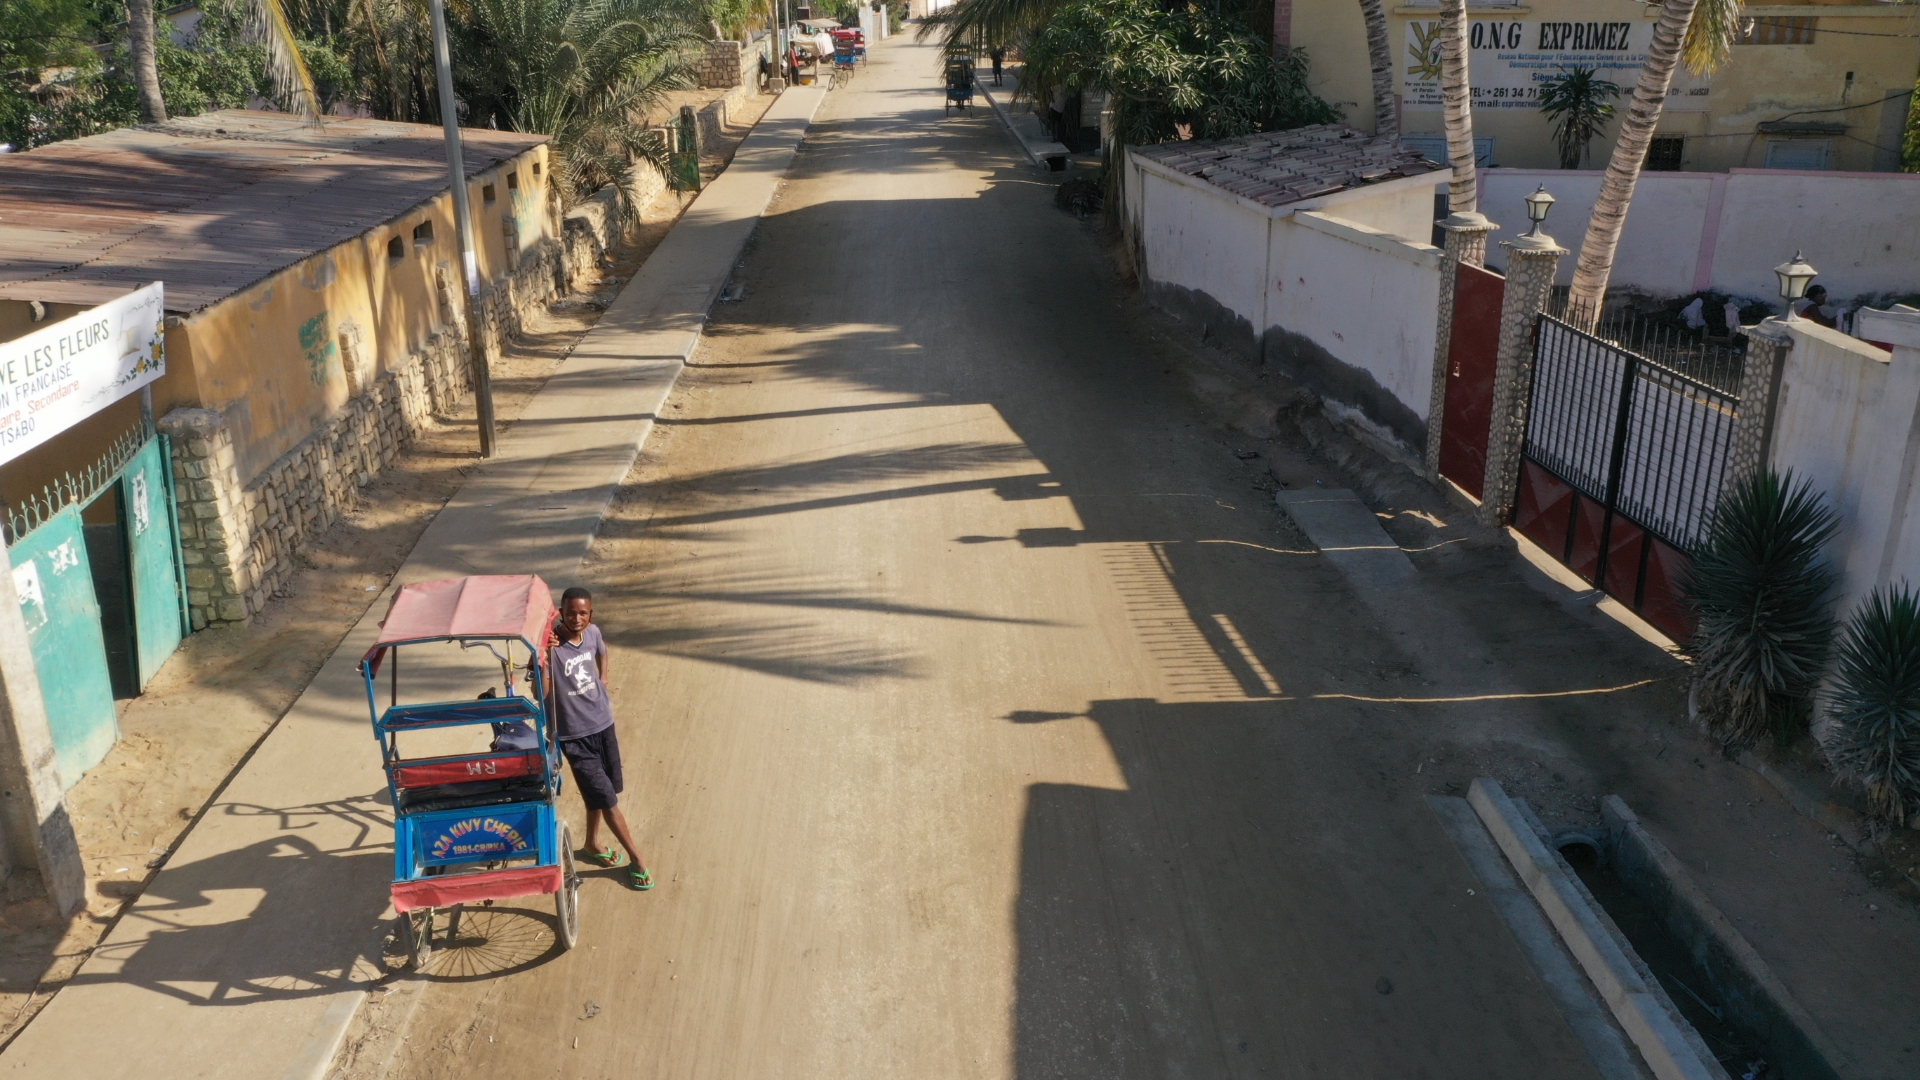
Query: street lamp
pixel 1538 204
pixel 1794 277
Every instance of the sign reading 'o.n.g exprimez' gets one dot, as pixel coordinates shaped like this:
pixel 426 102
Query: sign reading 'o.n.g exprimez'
pixel 502 833
pixel 61 374
pixel 1507 59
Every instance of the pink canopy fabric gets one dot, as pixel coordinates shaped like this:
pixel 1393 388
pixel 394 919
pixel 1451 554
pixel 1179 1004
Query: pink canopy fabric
pixel 487 605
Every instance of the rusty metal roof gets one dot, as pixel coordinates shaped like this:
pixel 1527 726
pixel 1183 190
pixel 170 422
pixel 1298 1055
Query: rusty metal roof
pixel 213 203
pixel 1275 168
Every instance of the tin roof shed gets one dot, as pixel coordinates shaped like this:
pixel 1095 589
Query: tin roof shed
pixel 214 203
pixel 1275 168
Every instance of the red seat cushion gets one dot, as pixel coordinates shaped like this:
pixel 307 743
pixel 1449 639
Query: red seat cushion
pixel 488 767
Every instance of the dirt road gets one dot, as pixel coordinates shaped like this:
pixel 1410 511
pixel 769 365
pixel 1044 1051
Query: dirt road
pixel 982 718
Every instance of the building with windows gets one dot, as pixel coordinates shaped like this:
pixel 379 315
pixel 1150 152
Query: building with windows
pixel 1809 86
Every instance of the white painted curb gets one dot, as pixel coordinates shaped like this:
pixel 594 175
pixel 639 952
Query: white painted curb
pixel 1662 1044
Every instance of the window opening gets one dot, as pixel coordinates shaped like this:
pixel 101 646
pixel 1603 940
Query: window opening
pixel 1665 153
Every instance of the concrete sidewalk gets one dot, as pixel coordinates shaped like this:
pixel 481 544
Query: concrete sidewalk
pixel 1045 152
pixel 250 952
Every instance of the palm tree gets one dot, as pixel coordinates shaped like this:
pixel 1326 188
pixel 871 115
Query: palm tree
pixel 1456 108
pixel 284 66
pixel 1702 31
pixel 585 72
pixel 1576 103
pixel 146 65
pixel 1386 119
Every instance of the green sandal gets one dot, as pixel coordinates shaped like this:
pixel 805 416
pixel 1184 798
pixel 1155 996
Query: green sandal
pixel 611 858
pixel 640 879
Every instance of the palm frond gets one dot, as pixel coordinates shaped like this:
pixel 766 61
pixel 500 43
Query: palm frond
pixel 991 22
pixel 1711 35
pixel 285 68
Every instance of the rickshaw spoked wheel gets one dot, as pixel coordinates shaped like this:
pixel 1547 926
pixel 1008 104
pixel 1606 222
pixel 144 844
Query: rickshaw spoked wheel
pixel 566 900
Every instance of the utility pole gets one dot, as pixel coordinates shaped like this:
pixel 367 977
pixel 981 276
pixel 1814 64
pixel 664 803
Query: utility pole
pixel 463 229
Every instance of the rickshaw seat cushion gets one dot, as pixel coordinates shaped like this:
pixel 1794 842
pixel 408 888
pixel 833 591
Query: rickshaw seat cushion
pixel 495 766
pixel 472 793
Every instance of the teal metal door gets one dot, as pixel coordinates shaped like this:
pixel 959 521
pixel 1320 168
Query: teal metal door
pixel 55 585
pixel 151 552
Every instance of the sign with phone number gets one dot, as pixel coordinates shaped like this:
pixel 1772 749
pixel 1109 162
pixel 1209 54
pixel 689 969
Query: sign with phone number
pixel 1508 59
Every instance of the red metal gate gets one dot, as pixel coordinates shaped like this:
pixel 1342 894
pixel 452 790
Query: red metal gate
pixel 1624 460
pixel 1472 349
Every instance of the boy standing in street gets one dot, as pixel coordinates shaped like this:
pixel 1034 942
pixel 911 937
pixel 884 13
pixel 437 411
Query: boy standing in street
pixel 583 718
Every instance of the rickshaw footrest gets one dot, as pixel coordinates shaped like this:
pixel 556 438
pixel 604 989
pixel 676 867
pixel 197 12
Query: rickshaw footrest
pixel 466 888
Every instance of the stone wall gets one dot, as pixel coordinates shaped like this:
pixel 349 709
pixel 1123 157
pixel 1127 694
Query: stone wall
pixel 240 538
pixel 723 64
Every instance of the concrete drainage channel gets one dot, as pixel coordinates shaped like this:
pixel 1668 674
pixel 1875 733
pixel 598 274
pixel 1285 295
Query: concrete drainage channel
pixel 1617 930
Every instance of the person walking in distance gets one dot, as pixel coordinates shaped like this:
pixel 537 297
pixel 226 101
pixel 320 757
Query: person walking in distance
pixel 583 716
pixel 999 55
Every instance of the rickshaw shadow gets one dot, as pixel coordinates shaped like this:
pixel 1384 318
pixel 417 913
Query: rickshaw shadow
pixel 215 932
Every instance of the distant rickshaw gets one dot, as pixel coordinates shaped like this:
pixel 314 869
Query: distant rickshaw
pixel 959 83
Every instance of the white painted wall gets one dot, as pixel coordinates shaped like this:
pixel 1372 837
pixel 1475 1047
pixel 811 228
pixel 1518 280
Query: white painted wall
pixel 1727 231
pixel 1349 272
pixel 1370 298
pixel 1848 420
pixel 1197 237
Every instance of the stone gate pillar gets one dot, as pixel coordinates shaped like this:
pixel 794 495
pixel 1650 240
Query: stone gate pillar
pixel 1466 243
pixel 1531 262
pixel 1767 347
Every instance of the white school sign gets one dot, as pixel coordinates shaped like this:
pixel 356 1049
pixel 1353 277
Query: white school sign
pixel 1508 58
pixel 61 374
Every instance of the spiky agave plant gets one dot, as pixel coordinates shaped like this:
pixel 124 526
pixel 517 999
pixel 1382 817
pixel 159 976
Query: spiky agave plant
pixel 1873 734
pixel 1760 588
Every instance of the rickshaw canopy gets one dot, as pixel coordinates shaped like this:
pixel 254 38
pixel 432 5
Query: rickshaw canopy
pixel 482 606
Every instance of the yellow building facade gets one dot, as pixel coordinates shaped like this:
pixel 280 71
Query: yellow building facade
pixel 1810 86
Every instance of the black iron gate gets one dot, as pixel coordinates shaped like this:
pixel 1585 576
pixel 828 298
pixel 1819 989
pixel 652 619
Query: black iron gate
pixel 1624 461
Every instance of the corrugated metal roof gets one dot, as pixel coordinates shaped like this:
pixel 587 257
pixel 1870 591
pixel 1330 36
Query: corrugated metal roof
pixel 213 203
pixel 1275 168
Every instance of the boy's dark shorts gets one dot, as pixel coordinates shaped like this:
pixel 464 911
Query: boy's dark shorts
pixel 595 760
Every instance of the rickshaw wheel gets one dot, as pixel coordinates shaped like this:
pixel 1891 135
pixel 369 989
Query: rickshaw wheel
pixel 566 900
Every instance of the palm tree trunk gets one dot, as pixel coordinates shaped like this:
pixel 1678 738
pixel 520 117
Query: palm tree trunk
pixel 146 69
pixel 1386 119
pixel 1456 108
pixel 1623 171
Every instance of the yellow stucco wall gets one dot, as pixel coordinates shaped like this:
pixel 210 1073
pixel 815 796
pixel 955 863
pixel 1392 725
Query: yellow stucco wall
pixel 1877 44
pixel 274 358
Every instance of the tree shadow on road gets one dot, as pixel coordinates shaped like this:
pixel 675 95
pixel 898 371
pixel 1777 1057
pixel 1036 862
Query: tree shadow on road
pixel 1261 900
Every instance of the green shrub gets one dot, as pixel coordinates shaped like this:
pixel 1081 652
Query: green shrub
pixel 1760 589
pixel 1873 738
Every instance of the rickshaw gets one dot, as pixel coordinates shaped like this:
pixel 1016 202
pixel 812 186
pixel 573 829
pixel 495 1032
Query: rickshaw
pixel 959 83
pixel 842 58
pixel 473 818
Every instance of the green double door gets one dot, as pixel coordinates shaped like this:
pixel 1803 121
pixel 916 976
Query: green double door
pixel 82 651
